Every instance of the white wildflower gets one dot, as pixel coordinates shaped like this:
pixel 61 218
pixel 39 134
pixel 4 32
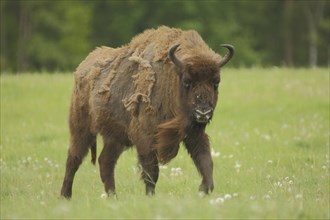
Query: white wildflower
pixel 201 194
pixel 279 184
pixel 237 165
pixel 163 167
pixel 219 200
pixel 216 201
pixel 212 202
pixel 176 171
pixel 266 196
pixel 214 154
pixel 228 196
pixel 104 195
pixel 267 137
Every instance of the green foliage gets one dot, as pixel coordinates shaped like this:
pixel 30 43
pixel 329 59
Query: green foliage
pixel 270 135
pixel 57 35
pixel 51 35
pixel 61 38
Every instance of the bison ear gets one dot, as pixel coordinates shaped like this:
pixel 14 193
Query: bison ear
pixel 173 58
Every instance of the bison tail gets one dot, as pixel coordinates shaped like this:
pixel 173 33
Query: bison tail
pixel 93 152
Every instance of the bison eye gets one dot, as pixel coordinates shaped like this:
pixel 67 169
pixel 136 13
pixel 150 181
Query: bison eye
pixel 187 84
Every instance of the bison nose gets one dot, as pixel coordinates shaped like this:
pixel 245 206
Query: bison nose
pixel 203 115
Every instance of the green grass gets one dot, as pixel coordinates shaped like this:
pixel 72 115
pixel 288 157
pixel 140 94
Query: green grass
pixel 270 130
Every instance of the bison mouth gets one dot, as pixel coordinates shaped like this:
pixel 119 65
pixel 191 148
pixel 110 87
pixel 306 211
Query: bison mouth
pixel 203 116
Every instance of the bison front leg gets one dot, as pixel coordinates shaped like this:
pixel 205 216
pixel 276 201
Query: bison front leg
pixel 199 150
pixel 150 172
pixel 204 164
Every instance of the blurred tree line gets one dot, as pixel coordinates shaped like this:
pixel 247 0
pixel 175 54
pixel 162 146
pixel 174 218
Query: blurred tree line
pixel 38 35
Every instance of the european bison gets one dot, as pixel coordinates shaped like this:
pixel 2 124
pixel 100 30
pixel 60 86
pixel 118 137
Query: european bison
pixel 154 93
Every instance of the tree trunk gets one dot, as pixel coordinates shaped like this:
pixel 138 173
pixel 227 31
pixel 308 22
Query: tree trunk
pixel 288 50
pixel 314 12
pixel 313 46
pixel 23 34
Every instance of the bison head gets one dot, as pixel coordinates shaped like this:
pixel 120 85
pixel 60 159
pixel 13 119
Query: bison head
pixel 199 81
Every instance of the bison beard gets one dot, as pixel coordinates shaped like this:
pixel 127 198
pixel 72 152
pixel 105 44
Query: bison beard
pixel 154 93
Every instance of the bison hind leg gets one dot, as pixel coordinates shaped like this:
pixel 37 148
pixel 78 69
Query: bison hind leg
pixel 107 161
pixel 78 149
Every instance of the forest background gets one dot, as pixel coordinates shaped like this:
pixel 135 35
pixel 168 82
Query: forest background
pixel 41 35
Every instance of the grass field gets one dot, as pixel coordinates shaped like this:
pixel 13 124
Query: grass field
pixel 270 137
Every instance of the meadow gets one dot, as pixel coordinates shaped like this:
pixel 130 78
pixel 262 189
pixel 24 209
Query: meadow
pixel 270 140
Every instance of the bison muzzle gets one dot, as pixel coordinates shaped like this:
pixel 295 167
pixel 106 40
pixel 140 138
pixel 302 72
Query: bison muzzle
pixel 154 93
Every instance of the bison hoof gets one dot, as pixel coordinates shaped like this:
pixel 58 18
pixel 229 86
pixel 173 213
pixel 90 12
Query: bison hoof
pixel 206 189
pixel 150 191
pixel 67 197
pixel 66 194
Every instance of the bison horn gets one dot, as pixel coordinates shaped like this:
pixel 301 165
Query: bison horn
pixel 228 56
pixel 174 59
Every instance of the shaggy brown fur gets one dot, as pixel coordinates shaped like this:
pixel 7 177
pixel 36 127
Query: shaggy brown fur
pixel 135 95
